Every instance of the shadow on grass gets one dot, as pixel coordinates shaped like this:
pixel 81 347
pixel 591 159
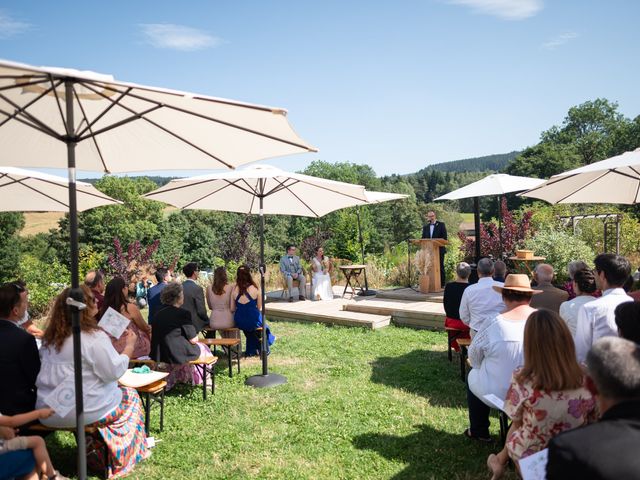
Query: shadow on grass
pixel 425 373
pixel 430 453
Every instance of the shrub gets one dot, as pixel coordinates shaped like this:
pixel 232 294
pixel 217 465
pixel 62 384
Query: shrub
pixel 560 248
pixel 44 281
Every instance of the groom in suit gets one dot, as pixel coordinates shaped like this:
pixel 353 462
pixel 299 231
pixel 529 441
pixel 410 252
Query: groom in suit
pixel 291 270
pixel 436 229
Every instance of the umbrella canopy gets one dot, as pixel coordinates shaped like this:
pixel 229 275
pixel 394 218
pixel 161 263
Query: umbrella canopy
pixel 30 191
pixel 380 197
pixel 614 180
pixel 494 184
pixel 240 191
pixel 125 127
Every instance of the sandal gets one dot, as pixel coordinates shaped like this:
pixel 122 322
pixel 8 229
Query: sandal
pixel 467 433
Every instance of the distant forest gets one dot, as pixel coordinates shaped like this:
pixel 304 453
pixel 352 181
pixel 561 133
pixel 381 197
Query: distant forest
pixel 477 164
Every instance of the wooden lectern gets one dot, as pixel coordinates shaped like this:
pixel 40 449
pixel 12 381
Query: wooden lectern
pixel 431 282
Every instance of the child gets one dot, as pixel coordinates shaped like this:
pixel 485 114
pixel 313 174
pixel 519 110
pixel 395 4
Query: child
pixel 11 442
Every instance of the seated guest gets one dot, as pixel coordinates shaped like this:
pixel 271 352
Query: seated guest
pixel 115 411
pixel 628 320
pixel 583 286
pixel 116 297
pixel 321 280
pixel 25 322
pixel 292 270
pixel 219 302
pixel 194 296
pixel 163 276
pixel 597 319
pixel 499 271
pixel 551 297
pixel 607 449
pixel 95 281
pixel 452 296
pixel 572 268
pixel 246 305
pixel 480 303
pixel 19 359
pixel 496 351
pixel 175 339
pixel 547 395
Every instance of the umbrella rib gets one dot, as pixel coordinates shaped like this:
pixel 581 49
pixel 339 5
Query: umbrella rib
pixel 21 85
pixel 228 184
pixel 98 195
pixel 32 121
pixel 21 182
pixel 134 116
pixel 28 124
pixel 211 119
pixel 301 201
pixel 105 111
pixel 62 115
pixel 583 186
pixel 93 138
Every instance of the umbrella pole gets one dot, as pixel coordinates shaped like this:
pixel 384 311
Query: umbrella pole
pixel 500 225
pixel 476 219
pixel 76 293
pixel 366 292
pixel 266 379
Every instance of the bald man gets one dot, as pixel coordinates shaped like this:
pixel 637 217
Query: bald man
pixel 551 297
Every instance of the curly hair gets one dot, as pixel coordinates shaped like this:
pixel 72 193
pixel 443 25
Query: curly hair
pixel 59 322
pixel 585 280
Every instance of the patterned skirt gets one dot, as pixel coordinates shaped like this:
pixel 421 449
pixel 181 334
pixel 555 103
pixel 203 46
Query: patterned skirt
pixel 122 431
pixel 187 373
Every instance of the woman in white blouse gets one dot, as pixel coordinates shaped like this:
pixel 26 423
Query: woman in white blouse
pixel 584 286
pixel 115 411
pixel 321 279
pixel 496 351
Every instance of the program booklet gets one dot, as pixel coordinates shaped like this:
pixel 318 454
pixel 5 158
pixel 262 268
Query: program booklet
pixel 113 323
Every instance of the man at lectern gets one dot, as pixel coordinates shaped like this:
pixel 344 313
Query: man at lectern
pixel 436 229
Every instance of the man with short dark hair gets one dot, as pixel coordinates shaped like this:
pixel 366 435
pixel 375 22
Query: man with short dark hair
pixel 608 449
pixel 596 319
pixel 436 229
pixel 551 297
pixel 163 276
pixel 19 359
pixel 194 296
pixel 499 271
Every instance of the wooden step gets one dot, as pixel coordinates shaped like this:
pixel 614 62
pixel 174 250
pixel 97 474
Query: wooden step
pixel 417 314
pixel 330 312
pixel 410 294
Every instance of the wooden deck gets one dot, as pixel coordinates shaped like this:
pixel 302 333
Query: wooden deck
pixel 410 294
pixel 367 312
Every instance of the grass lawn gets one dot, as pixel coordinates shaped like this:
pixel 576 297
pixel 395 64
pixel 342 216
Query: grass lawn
pixel 359 404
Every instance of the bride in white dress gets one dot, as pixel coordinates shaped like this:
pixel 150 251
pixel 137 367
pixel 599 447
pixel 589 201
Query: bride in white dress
pixel 321 280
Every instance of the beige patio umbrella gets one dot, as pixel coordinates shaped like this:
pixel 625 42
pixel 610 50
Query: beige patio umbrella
pixel 63 118
pixel 262 190
pixel 30 191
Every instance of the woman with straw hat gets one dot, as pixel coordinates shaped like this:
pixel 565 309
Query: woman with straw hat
pixel 496 351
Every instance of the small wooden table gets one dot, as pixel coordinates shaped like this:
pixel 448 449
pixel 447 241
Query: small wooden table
pixel 526 265
pixel 352 274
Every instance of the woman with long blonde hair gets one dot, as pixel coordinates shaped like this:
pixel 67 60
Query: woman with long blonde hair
pixel 547 395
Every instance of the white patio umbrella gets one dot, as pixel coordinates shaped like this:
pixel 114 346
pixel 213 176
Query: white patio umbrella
pixel 63 118
pixel 494 184
pixel 262 190
pixel 30 191
pixel 614 180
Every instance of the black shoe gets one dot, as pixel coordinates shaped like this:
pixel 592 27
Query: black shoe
pixel 290 299
pixel 301 298
pixel 467 433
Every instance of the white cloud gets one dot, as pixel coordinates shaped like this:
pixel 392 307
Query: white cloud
pixel 505 9
pixel 559 40
pixel 10 27
pixel 178 37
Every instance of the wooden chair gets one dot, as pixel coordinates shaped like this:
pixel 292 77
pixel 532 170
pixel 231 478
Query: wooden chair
pixel 205 366
pixel 151 394
pixel 302 290
pixel 231 345
pixel 464 346
pixel 452 334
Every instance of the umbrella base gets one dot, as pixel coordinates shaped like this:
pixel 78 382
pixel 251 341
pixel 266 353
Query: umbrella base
pixel 263 381
pixel 367 293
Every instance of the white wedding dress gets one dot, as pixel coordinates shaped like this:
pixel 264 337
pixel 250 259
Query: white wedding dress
pixel 321 282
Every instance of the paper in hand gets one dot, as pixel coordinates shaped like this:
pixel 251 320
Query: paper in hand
pixel 534 467
pixel 113 323
pixel 494 400
pixel 63 398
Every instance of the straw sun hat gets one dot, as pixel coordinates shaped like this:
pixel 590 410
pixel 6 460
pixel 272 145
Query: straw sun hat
pixel 517 282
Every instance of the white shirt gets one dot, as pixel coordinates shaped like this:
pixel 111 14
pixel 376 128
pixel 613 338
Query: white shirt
pixel 569 311
pixel 102 366
pixel 597 319
pixel 431 228
pixel 495 353
pixel 480 303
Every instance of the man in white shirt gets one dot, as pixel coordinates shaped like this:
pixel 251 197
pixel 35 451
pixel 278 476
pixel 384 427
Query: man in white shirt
pixel 596 319
pixel 480 302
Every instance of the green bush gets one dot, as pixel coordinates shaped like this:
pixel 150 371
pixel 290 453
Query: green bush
pixel 560 248
pixel 44 281
pixel 454 256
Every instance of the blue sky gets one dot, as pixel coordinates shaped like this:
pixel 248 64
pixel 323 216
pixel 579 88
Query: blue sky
pixel 395 85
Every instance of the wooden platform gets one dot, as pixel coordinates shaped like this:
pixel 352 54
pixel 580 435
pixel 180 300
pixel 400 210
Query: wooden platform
pixel 367 312
pixel 406 293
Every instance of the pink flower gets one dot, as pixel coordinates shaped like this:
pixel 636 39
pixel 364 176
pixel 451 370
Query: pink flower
pixel 580 407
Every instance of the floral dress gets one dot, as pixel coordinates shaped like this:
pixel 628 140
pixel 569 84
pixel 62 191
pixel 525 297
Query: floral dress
pixel 544 415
